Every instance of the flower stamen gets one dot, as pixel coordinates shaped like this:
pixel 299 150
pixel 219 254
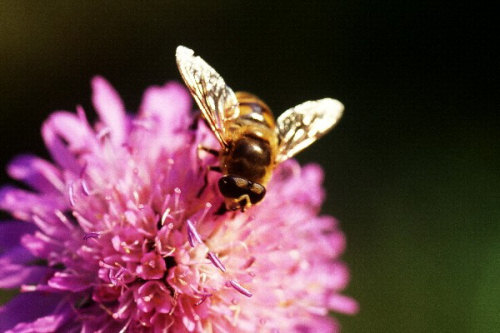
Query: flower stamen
pixel 164 216
pixel 89 235
pixel 208 205
pixel 64 219
pixel 71 195
pixel 216 261
pixel 85 188
pixel 177 197
pixel 193 234
pixel 240 288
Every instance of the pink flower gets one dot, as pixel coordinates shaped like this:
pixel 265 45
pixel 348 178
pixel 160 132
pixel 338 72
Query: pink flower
pixel 114 236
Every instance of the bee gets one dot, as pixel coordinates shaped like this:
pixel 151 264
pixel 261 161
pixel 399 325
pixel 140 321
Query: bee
pixel 252 142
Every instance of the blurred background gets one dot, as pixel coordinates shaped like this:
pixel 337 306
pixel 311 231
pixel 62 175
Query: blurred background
pixel 412 170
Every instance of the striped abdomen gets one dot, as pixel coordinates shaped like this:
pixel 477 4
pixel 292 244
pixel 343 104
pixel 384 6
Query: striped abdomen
pixel 252 150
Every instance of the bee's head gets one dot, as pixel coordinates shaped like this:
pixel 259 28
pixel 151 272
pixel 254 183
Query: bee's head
pixel 240 192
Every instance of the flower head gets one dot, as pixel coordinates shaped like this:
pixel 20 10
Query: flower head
pixel 116 235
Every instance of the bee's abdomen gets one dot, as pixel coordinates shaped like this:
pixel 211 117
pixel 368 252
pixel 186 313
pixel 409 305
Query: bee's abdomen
pixel 253 109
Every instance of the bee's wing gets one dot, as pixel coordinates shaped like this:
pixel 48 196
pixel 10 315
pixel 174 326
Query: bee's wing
pixel 216 100
pixel 300 126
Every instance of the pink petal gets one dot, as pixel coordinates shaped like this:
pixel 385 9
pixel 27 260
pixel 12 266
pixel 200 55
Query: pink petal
pixel 337 243
pixel 44 324
pixel 66 281
pixel 15 265
pixel 167 107
pixel 58 149
pixel 154 294
pixel 73 130
pixel 319 324
pixel 11 233
pixel 152 266
pixel 22 204
pixel 26 308
pixel 15 255
pixel 343 304
pixel 13 276
pixel 40 245
pixel 51 226
pixel 37 173
pixel 110 108
pixel 335 276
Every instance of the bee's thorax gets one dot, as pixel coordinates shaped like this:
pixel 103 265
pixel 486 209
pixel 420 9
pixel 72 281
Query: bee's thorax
pixel 248 158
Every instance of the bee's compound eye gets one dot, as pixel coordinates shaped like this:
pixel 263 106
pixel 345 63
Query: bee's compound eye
pixel 232 187
pixel 256 192
pixel 235 187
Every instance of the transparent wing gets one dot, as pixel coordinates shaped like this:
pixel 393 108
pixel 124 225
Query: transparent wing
pixel 216 100
pixel 300 126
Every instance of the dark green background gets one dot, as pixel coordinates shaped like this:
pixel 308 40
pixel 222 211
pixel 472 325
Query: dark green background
pixel 412 170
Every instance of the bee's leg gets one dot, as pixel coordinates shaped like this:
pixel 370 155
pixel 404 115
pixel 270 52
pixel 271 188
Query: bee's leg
pixel 215 168
pixel 205 178
pixel 211 151
pixel 209 168
pixel 222 210
pixel 196 119
pixel 244 202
